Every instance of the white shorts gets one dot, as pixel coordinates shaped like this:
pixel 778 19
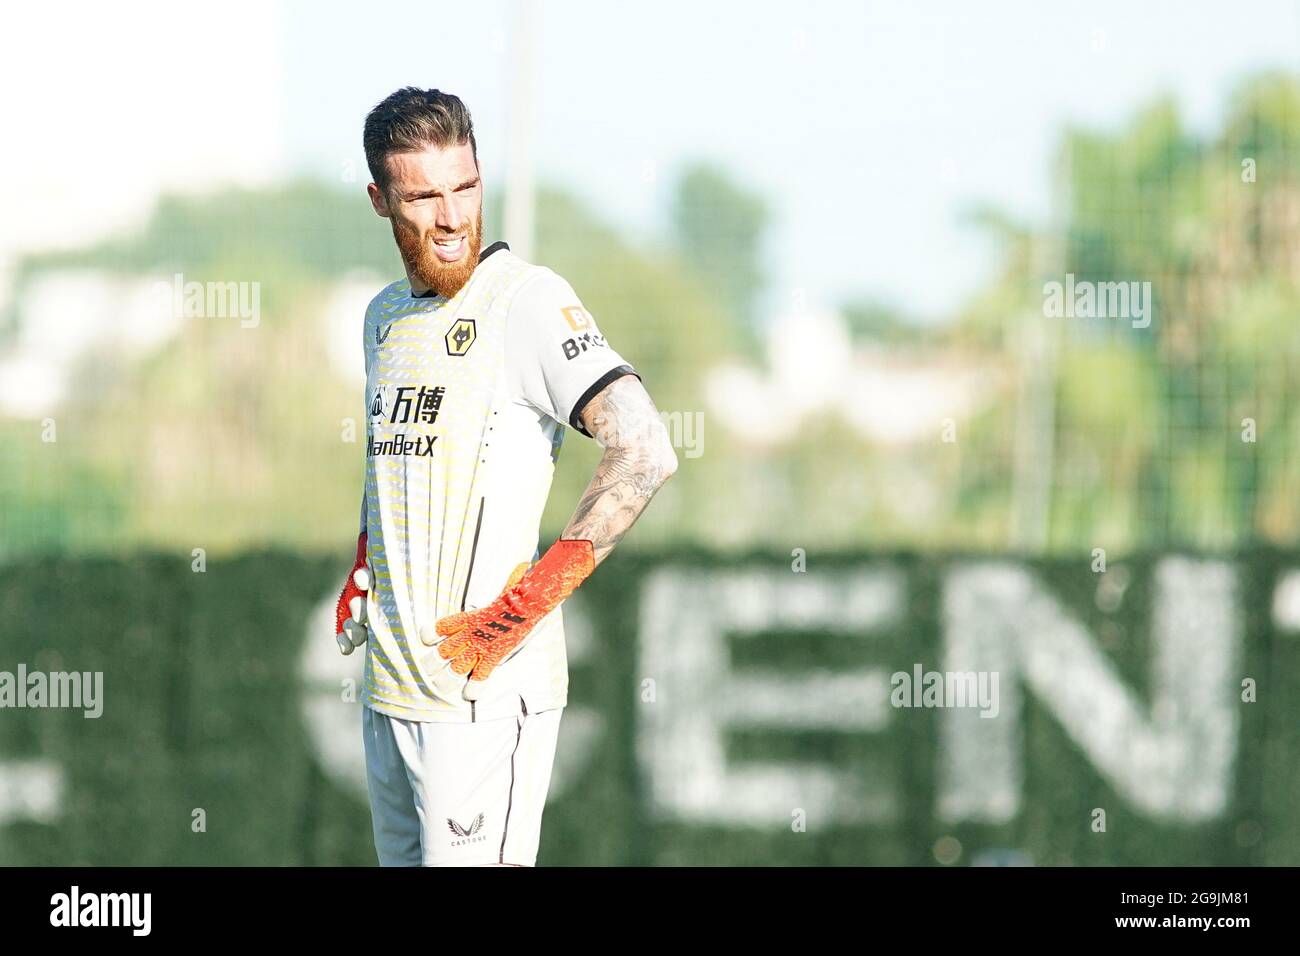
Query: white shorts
pixel 457 794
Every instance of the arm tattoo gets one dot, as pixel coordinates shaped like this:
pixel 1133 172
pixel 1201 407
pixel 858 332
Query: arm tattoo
pixel 638 459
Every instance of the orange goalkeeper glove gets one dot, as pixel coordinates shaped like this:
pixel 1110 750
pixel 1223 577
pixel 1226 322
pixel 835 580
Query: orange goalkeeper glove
pixel 350 613
pixel 477 641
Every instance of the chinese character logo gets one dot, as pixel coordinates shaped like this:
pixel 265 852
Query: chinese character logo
pixel 414 406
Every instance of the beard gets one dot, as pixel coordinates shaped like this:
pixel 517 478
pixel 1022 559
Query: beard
pixel 423 265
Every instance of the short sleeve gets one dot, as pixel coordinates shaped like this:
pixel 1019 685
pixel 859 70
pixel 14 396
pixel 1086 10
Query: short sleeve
pixel 557 355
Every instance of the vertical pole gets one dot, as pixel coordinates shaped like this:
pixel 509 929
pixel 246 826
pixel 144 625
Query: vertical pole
pixel 519 228
pixel 1039 343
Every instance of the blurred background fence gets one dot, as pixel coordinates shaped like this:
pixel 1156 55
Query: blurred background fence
pixel 731 712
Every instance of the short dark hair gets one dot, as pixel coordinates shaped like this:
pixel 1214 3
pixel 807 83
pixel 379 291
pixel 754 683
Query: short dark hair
pixel 412 119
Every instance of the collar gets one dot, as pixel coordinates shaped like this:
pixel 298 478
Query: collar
pixel 495 247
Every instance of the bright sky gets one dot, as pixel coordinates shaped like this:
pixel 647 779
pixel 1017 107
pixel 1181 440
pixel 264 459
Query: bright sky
pixel 868 128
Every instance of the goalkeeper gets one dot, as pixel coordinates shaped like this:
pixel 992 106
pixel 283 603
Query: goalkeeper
pixel 476 363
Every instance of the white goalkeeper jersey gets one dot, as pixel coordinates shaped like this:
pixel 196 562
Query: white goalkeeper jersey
pixel 467 401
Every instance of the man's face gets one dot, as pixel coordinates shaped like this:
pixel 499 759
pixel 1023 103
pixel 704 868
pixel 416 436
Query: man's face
pixel 434 201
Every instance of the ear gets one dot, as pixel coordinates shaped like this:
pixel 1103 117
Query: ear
pixel 378 200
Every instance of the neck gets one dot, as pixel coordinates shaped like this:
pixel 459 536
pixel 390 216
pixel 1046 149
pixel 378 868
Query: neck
pixel 418 288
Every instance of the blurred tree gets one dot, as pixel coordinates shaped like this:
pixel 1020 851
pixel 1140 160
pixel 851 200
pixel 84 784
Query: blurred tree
pixel 225 436
pixel 1150 448
pixel 232 437
pixel 718 229
pixel 870 321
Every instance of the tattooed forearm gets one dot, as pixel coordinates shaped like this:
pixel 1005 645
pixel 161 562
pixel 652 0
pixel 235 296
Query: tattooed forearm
pixel 638 459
